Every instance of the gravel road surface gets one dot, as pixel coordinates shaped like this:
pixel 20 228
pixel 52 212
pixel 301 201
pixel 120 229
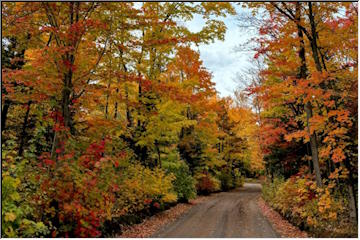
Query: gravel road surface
pixel 226 214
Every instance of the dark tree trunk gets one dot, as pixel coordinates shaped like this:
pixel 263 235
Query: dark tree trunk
pixel 158 153
pixel 23 131
pixel 308 107
pixel 128 114
pixel 107 101
pixel 352 192
pixel 316 52
pixel 314 45
pixel 66 100
pixel 4 113
pixel 140 99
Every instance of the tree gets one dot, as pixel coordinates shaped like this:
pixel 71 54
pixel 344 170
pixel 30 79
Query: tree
pixel 312 92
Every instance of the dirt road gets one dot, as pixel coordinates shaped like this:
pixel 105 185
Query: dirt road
pixel 227 214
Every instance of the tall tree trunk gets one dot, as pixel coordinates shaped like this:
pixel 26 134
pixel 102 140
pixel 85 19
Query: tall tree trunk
pixel 116 105
pixel 158 153
pixel 314 45
pixel 308 107
pixel 128 113
pixel 352 192
pixel 70 58
pixel 66 100
pixel 313 145
pixel 107 101
pixel 108 87
pixel 140 100
pixel 316 52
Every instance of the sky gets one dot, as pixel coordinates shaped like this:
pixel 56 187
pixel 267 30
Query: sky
pixel 220 57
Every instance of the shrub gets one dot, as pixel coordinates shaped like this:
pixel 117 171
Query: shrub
pixel 230 179
pixel 238 179
pixel 184 183
pixel 227 181
pixel 269 189
pixel 76 191
pixel 143 188
pixel 319 210
pixel 17 212
pixel 206 183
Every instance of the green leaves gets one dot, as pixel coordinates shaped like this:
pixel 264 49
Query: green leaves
pixel 117 95
pixel 184 183
pixel 16 212
pixel 165 124
pixel 214 29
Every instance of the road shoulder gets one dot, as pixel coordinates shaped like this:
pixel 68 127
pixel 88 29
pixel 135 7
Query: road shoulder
pixel 284 228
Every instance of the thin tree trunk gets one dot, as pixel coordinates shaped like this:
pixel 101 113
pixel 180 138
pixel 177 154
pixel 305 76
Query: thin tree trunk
pixel 140 100
pixel 107 101
pixel 67 88
pixel 116 106
pixel 352 193
pixel 4 113
pixel 352 203
pixel 108 89
pixel 23 131
pixel 128 113
pixel 53 147
pixel 314 45
pixel 66 100
pixel 158 153
pixel 313 145
pixel 139 83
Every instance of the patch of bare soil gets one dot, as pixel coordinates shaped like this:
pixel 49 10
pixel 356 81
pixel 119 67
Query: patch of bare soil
pixel 281 225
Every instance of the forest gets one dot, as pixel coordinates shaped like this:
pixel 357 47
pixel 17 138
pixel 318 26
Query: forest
pixel 109 115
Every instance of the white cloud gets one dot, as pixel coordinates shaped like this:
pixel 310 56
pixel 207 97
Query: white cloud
pixel 220 58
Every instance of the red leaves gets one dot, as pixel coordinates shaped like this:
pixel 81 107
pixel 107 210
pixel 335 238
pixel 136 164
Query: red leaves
pixel 156 205
pixel 146 85
pixel 46 159
pixel 49 162
pixel 93 154
pixel 147 201
pixel 206 184
pixel 69 66
pixel 82 200
pixel 116 163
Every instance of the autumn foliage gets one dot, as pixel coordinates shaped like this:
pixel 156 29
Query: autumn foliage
pixel 307 90
pixel 108 115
